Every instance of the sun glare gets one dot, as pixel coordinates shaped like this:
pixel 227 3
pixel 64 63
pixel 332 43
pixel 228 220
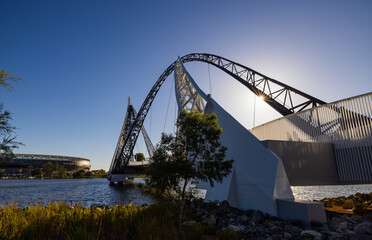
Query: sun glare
pixel 260 98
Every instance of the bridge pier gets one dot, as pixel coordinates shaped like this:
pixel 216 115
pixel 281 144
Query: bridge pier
pixel 117 178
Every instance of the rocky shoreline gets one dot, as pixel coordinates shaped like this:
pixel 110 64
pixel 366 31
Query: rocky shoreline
pixel 253 224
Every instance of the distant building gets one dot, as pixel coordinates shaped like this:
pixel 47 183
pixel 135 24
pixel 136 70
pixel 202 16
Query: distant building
pixel 27 162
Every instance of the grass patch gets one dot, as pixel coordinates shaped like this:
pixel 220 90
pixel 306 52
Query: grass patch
pixel 61 221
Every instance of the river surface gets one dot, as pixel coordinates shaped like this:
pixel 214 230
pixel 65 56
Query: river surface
pixel 88 192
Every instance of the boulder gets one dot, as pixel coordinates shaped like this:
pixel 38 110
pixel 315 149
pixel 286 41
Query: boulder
pixel 243 218
pixel 336 222
pixel 363 230
pixel 224 207
pixel 292 229
pixel 336 236
pixel 348 204
pixel 287 235
pixel 211 220
pixel 360 209
pixel 235 228
pixel 312 233
pixel 341 227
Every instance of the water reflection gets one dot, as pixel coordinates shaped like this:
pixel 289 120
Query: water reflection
pixel 326 191
pixel 88 192
pixel 25 192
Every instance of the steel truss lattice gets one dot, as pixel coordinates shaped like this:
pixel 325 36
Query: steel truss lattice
pixel 187 96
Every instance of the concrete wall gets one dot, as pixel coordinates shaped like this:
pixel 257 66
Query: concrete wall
pixel 306 163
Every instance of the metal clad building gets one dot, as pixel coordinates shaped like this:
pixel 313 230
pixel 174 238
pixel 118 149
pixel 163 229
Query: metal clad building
pixel 346 123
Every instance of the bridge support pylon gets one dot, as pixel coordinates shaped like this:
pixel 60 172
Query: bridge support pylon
pixel 119 178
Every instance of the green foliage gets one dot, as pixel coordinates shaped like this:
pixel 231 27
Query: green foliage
pixel 36 172
pixel 8 143
pixel 6 77
pixel 55 170
pixel 194 154
pixel 99 173
pixel 140 157
pixel 226 234
pixel 80 174
pixel 61 221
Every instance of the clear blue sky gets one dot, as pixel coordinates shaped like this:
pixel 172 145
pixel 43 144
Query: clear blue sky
pixel 81 60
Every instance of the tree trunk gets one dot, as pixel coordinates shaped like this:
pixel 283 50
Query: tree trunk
pixel 180 220
pixel 182 203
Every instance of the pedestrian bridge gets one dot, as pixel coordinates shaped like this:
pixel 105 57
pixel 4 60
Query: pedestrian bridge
pixel 344 125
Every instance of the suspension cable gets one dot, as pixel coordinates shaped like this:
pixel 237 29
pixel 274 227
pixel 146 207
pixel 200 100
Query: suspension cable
pixel 174 118
pixel 210 83
pixel 150 120
pixel 166 115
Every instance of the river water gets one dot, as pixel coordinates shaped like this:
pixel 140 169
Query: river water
pixel 88 192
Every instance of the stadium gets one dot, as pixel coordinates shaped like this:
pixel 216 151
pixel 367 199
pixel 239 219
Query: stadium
pixel 27 162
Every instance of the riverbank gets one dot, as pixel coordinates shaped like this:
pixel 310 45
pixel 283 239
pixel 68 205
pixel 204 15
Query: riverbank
pixel 159 221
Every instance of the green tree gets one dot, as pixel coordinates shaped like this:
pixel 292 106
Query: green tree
pixel 36 172
pixel 140 157
pixel 81 173
pixel 6 77
pixel 61 171
pixel 48 169
pixel 8 142
pixel 194 154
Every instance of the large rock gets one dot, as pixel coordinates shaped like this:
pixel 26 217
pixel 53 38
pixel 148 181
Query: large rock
pixel 235 228
pixel 211 220
pixel 348 204
pixel 360 209
pixel 337 223
pixel 363 230
pixel 312 233
pixel 292 229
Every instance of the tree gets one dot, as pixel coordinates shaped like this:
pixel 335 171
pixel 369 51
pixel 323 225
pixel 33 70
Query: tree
pixel 48 169
pixel 81 173
pixel 61 171
pixel 8 142
pixel 36 172
pixel 139 157
pixel 6 77
pixel 6 130
pixel 194 154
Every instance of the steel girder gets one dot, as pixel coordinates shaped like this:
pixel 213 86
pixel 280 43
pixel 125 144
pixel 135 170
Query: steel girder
pixel 278 95
pixel 127 126
pixel 188 98
pixel 149 145
pixel 130 118
pixel 273 92
pixel 119 164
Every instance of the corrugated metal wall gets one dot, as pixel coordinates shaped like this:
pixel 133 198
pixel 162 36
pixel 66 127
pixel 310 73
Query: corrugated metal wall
pixel 346 123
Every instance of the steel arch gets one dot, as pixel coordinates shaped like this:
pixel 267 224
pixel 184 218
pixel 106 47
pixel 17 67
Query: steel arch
pixel 258 83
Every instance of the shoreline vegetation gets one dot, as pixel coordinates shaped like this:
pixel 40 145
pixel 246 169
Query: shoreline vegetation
pixel 56 172
pixel 200 221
